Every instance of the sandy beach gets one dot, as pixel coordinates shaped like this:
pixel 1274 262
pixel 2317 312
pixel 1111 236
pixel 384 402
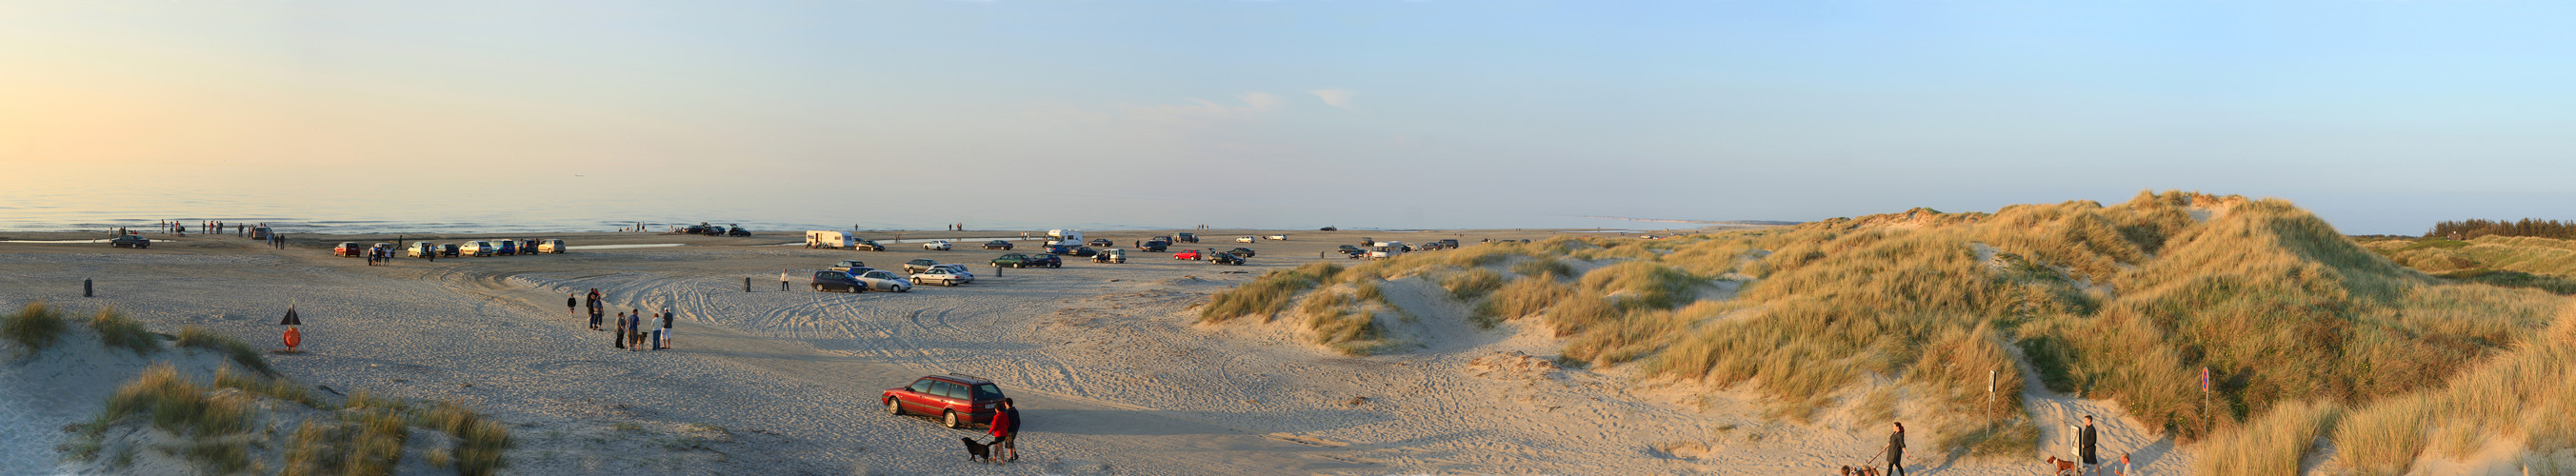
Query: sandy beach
pixel 1114 376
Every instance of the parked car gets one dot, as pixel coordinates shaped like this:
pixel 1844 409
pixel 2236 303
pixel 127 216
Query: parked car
pixel 129 241
pixel 997 245
pixel 848 264
pixel 447 250
pixel 958 400
pixel 1243 252
pixel 737 231
pixel 944 275
pixel 1017 260
pixel 1245 239
pixel 1162 238
pixel 528 247
pixel 1185 238
pixel 1186 254
pixel 1449 243
pixel 1278 237
pixel 477 248
pixel 1367 241
pixel 348 249
pixel 1329 228
pixel 1112 255
pixel 1084 251
pixel 1225 258
pixel 859 280
pixel 505 247
pixel 259 233
pixel 869 245
pixel 915 266
pixel 1102 242
pixel 1155 245
pixel 1060 249
pixel 941 245
pixel 421 249
pixel 550 246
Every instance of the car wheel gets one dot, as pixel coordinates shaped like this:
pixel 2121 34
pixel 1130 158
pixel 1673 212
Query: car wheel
pixel 952 283
pixel 904 289
pixel 894 406
pixel 950 417
pixel 817 287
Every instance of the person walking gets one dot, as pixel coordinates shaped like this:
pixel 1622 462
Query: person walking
pixel 572 304
pixel 1896 451
pixel 634 329
pixel 1006 430
pixel 618 339
pixel 2084 442
pixel 782 281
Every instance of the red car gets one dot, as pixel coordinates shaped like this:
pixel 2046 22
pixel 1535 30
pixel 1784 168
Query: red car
pixel 1186 254
pixel 958 399
pixel 348 249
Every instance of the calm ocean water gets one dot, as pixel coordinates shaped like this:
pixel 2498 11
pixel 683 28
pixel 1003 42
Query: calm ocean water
pixel 80 197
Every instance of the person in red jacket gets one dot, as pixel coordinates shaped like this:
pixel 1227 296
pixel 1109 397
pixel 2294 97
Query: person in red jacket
pixel 1006 429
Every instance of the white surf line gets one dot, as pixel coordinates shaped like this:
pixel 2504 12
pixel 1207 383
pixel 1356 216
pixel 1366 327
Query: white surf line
pixel 612 247
pixel 102 240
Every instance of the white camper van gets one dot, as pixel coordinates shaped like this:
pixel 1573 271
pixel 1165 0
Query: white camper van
pixel 829 240
pixel 1069 237
pixel 1386 249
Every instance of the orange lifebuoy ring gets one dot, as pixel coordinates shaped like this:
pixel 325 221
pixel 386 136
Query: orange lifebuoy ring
pixel 293 338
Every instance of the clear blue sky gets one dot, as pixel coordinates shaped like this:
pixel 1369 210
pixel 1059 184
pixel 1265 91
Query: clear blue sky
pixel 2381 116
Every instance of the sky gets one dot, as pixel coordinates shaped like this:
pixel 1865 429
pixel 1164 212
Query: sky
pixel 2381 116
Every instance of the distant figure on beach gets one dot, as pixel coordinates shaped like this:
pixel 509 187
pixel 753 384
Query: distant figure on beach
pixel 618 339
pixel 782 280
pixel 572 304
pixel 656 335
pixel 666 328
pixel 635 330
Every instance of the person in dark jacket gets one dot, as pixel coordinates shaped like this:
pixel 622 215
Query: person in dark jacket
pixel 572 304
pixel 1896 451
pixel 2085 440
pixel 618 338
pixel 1006 429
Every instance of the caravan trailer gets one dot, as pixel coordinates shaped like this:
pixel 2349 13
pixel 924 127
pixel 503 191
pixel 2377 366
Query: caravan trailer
pixel 829 240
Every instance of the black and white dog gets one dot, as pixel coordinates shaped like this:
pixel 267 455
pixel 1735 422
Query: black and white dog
pixel 977 452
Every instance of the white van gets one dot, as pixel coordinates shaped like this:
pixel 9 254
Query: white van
pixel 1387 249
pixel 829 240
pixel 1067 236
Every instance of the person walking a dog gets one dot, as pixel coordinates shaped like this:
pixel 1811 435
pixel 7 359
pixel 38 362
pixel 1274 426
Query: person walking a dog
pixel 2085 441
pixel 1006 430
pixel 1896 451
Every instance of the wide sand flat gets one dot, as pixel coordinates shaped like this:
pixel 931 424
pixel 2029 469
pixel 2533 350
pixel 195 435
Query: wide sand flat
pixel 1111 372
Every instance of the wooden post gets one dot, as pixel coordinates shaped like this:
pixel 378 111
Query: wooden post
pixel 746 284
pixel 86 288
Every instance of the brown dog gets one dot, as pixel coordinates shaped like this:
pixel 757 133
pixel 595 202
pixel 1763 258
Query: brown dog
pixel 1860 471
pixel 2064 467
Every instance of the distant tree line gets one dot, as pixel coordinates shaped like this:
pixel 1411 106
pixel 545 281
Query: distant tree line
pixel 2473 228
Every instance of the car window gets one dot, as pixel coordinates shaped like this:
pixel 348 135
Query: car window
pixel 949 390
pixel 923 385
pixel 987 392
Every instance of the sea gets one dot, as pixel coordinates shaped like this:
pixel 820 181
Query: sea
pixel 371 198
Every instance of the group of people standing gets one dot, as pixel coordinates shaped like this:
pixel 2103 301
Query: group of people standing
pixel 633 330
pixel 379 256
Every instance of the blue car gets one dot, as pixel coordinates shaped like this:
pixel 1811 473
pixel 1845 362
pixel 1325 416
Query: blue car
pixel 505 247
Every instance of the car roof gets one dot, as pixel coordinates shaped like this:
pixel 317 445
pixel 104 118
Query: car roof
pixel 960 378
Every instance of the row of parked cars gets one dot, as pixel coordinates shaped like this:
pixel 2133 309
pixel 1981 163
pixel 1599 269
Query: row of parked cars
pixel 855 276
pixel 424 249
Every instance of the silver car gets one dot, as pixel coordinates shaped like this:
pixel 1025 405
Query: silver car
pixel 882 280
pixel 944 275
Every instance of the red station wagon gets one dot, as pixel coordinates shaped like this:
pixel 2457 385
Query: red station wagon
pixel 959 400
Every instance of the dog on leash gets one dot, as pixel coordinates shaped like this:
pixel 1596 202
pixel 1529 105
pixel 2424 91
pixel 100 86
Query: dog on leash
pixel 977 452
pixel 2063 466
pixel 1860 471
